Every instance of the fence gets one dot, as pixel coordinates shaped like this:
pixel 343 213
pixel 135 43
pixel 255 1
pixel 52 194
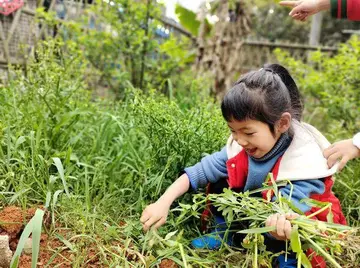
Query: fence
pixel 19 33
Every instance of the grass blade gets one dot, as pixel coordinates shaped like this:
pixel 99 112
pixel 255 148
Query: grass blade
pixel 60 169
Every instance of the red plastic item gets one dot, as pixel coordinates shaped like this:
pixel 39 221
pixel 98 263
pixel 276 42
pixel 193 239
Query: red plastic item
pixel 9 6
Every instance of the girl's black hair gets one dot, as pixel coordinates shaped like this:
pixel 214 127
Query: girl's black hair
pixel 263 95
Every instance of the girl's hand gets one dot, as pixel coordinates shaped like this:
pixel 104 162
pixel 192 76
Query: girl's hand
pixel 282 223
pixel 154 215
pixel 344 150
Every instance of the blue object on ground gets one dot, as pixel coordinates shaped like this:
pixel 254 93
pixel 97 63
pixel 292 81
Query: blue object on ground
pixel 290 263
pixel 216 238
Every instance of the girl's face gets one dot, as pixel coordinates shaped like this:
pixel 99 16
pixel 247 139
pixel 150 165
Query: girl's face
pixel 255 136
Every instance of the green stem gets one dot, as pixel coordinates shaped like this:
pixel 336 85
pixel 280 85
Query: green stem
pixel 183 254
pixel 321 250
pixel 319 211
pixel 255 264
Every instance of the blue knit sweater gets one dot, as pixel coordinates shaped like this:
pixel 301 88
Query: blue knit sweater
pixel 212 168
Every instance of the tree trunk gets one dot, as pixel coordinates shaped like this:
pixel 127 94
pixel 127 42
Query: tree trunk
pixel 315 32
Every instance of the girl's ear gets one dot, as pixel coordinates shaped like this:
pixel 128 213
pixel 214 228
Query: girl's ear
pixel 284 122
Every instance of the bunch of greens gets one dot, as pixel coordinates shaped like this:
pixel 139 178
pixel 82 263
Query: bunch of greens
pixel 325 238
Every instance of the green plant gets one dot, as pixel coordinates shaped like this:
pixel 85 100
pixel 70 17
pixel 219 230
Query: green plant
pixel 306 232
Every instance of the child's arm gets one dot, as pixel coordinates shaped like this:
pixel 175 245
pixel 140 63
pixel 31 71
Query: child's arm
pixel 157 212
pixel 210 169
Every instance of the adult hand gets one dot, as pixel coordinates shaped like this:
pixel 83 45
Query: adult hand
pixel 154 215
pixel 303 8
pixel 342 150
pixel 282 223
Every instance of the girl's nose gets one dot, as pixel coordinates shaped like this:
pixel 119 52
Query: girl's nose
pixel 240 141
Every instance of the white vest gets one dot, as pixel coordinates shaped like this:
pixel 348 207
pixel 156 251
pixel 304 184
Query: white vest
pixel 303 159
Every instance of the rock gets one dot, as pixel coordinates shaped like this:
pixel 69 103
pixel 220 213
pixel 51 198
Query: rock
pixel 5 252
pixel 28 246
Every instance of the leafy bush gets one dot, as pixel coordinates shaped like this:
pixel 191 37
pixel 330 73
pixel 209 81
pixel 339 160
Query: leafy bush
pixel 120 44
pixel 178 138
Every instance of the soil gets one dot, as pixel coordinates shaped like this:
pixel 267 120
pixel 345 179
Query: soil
pixel 53 252
pixel 12 220
pixel 47 250
pixel 166 263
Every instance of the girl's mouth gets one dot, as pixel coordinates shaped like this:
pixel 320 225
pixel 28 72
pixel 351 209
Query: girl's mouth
pixel 251 151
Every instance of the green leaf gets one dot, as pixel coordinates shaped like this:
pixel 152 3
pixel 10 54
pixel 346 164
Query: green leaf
pixel 171 234
pixel 305 260
pixel 33 226
pixel 60 169
pixel 258 230
pixel 36 234
pixel 330 216
pixel 187 19
pixel 65 241
pixel 295 239
pixel 291 205
pixel 48 199
pixel 314 203
pixel 230 216
pixel 19 141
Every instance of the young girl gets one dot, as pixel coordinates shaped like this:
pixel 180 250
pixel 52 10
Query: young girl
pixel 263 112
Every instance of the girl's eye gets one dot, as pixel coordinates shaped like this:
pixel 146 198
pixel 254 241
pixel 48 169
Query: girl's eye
pixel 250 134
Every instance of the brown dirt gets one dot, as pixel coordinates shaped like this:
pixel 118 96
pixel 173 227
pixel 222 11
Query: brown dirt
pixel 48 247
pixel 12 222
pixel 166 263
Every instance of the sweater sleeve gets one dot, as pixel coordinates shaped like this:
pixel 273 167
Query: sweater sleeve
pixel 345 9
pixel 302 189
pixel 211 168
pixel 353 9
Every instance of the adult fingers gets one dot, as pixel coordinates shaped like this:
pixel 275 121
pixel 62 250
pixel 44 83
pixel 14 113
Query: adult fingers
pixel 303 16
pixel 298 9
pixel 332 159
pixel 296 16
pixel 329 151
pixel 289 3
pixel 287 227
pixel 280 226
pixel 343 162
